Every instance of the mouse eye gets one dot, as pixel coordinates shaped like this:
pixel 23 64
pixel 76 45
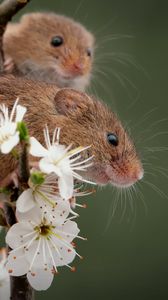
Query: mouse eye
pixel 112 139
pixel 57 41
pixel 89 52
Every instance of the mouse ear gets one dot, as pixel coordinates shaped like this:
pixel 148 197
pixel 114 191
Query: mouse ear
pixel 69 100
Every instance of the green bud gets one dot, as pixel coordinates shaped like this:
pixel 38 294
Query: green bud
pixel 23 131
pixel 37 178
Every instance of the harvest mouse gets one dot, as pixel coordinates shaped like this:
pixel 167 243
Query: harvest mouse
pixel 83 121
pixel 50 48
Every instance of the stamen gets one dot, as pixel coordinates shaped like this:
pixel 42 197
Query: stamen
pixel 34 257
pixel 58 134
pixel 82 162
pixel 51 256
pixel 82 179
pixel 55 247
pixel 44 253
pixel 45 198
pixel 26 235
pixel 70 234
pixel 13 110
pixel 47 137
pixel 77 150
pixel 81 205
pixel 23 246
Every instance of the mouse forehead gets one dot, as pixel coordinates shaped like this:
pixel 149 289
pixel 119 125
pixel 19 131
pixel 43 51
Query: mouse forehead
pixel 59 25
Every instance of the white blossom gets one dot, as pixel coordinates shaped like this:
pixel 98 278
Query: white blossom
pixel 40 246
pixel 4 277
pixel 45 195
pixel 9 135
pixel 60 160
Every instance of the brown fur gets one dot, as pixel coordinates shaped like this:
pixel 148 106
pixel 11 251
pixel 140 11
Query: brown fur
pixel 28 43
pixel 83 121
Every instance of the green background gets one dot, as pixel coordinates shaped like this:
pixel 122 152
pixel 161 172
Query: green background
pixel 126 255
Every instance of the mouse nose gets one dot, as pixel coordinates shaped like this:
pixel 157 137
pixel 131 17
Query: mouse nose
pixel 137 174
pixel 77 68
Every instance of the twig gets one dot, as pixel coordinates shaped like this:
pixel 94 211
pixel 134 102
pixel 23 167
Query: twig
pixel 20 288
pixel 8 8
pixel 24 172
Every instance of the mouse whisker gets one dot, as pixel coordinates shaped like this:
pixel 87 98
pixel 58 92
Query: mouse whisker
pixel 155 188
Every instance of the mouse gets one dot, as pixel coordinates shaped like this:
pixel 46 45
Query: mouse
pixel 83 121
pixel 51 48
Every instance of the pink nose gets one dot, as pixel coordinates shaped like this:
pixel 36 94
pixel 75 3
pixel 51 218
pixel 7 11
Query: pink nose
pixel 77 68
pixel 138 174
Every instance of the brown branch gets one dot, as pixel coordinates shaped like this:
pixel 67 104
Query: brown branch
pixel 24 169
pixel 8 8
pixel 20 288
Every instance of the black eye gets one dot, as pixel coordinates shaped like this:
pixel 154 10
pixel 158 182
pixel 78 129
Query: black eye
pixel 88 52
pixel 112 139
pixel 57 41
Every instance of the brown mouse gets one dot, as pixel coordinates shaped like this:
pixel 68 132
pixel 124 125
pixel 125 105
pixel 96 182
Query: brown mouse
pixel 83 121
pixel 50 48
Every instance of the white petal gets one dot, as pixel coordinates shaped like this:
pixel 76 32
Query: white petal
pixel 20 112
pixel 33 215
pixel 8 145
pixel 64 254
pixel 36 149
pixel 13 237
pixel 5 291
pixel 48 167
pixel 17 264
pixel 72 230
pixel 40 279
pixel 32 251
pixel 60 212
pixel 25 201
pixel 65 184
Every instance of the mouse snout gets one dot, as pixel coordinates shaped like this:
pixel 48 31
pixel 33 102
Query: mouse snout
pixel 125 174
pixel 76 68
pixel 136 173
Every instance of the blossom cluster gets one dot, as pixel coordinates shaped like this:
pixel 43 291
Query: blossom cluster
pixel 42 239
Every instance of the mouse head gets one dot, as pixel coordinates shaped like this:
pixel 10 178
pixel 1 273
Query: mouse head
pixel 57 46
pixel 84 122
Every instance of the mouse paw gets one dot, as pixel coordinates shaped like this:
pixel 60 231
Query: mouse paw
pixel 9 65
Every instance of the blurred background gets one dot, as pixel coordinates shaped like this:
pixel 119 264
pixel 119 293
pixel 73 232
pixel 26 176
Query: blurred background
pixel 126 255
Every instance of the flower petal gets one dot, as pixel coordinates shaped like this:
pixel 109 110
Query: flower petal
pixel 60 212
pixel 48 167
pixel 25 201
pixel 32 216
pixel 40 279
pixel 64 254
pixel 36 149
pixel 16 232
pixel 17 265
pixel 65 184
pixel 5 291
pixel 20 112
pixel 9 144
pixel 71 230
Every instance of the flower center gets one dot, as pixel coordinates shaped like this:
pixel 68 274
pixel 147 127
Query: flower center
pixel 44 230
